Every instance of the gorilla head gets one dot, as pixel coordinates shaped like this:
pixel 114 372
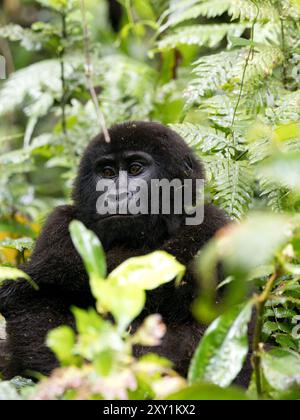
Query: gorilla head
pixel 138 151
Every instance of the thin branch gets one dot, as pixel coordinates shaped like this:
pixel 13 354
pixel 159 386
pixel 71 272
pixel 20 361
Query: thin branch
pixel 249 56
pixel 260 305
pixel 6 52
pixel 283 48
pixel 63 74
pixel 89 74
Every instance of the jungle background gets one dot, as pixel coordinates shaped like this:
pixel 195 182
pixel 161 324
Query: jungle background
pixel 226 76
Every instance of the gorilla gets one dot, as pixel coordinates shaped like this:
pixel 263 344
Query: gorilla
pixel 144 150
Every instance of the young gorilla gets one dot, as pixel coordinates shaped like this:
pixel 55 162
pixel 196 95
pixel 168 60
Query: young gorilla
pixel 147 151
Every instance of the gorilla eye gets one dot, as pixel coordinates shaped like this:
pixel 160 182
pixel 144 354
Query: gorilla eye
pixel 108 172
pixel 135 169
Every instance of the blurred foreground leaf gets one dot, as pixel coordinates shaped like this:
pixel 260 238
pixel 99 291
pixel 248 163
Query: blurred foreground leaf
pixel 223 348
pixel 208 392
pixel 281 369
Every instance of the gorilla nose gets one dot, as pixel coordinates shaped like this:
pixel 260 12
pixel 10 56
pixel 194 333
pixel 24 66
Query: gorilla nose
pixel 121 196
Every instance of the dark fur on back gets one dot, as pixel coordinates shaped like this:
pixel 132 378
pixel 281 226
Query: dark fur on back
pixel 59 272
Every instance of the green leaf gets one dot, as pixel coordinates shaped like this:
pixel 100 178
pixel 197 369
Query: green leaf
pixel 281 369
pixel 223 348
pixel 208 392
pixel 201 35
pixel 20 244
pixel 148 272
pixel 9 273
pixel 89 247
pixel 125 302
pixel 144 9
pixel 123 293
pixel 62 341
pixel 240 42
pixel 283 169
pixel 240 247
pixel 96 335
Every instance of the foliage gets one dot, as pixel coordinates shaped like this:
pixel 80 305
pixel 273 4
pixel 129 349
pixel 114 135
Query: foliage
pixel 226 76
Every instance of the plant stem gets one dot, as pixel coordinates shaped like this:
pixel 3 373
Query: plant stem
pixel 283 48
pixel 63 74
pixel 260 306
pixel 248 58
pixel 89 73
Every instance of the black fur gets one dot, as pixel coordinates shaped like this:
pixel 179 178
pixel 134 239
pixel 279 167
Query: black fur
pixel 59 272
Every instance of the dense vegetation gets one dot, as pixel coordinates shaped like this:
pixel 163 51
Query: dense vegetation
pixel 226 76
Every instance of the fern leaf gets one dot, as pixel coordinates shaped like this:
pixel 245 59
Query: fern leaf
pixel 202 139
pixel 202 35
pixel 224 72
pixel 286 109
pixel 186 10
pixel 232 185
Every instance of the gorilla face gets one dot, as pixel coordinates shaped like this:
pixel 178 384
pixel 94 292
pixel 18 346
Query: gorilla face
pixel 115 178
pixel 124 179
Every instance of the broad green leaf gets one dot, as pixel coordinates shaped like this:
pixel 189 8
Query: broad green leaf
pixel 208 392
pixel 281 369
pixel 283 169
pixel 124 301
pixel 240 42
pixel 144 9
pixel 96 335
pixel 148 272
pixel 242 249
pixel 89 247
pixel 9 273
pixel 287 132
pixel 223 348
pixel 62 341
pixel 19 244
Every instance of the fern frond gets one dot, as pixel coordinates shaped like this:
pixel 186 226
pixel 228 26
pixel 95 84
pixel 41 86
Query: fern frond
pixel 232 185
pixel 224 72
pixel 212 72
pixel 272 193
pixel 265 59
pixel 286 109
pixel 263 10
pixel 259 150
pixel 202 35
pixel 268 33
pixel 186 10
pixel 220 109
pixel 290 9
pixel 204 140
pixel 231 181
